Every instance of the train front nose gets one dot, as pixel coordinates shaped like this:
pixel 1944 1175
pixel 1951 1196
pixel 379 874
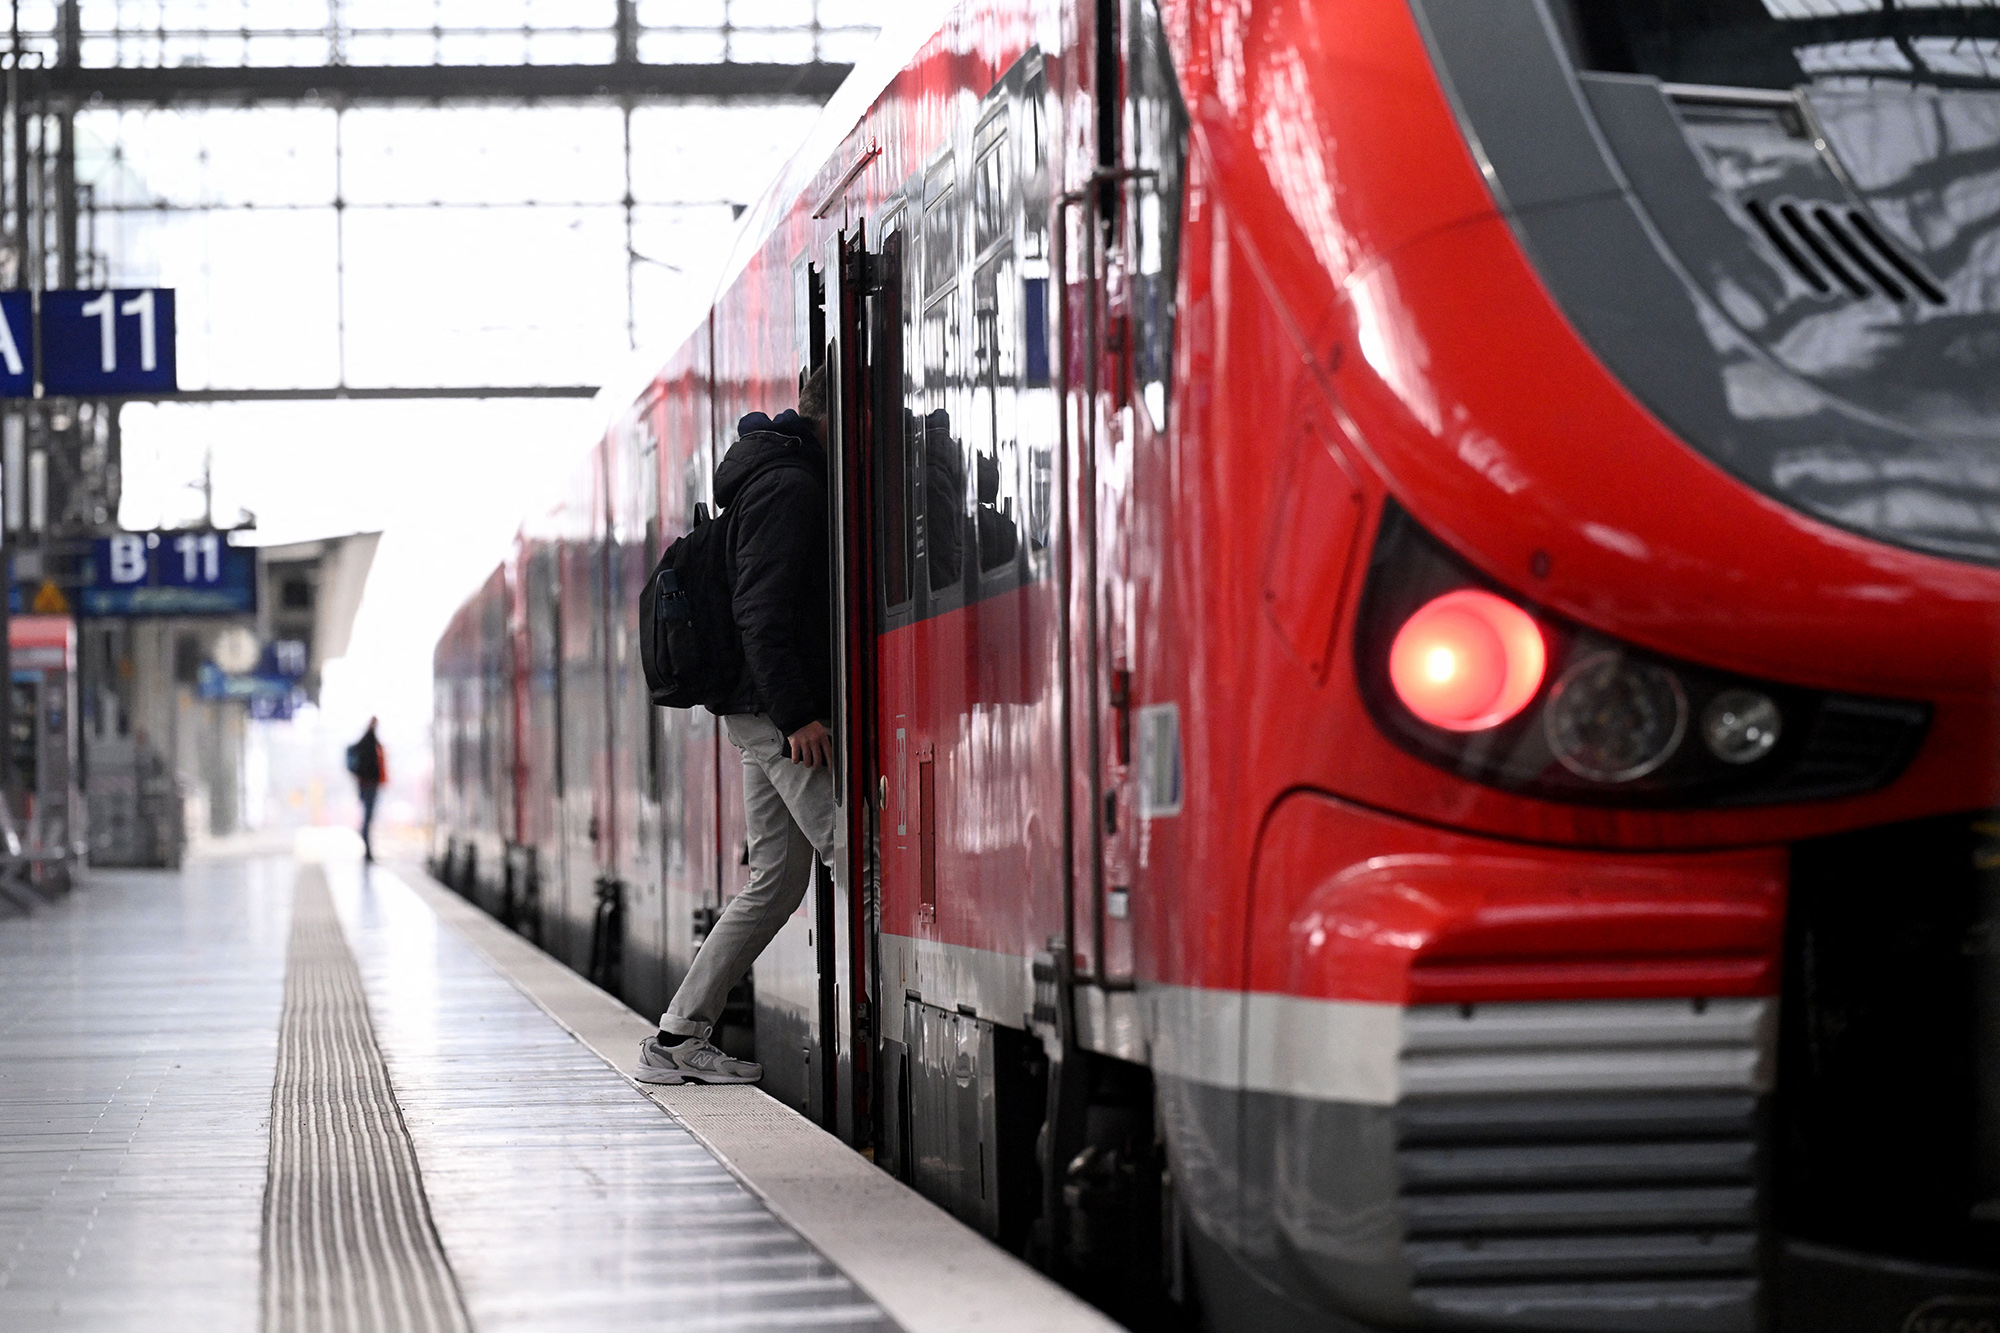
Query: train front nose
pixel 1510 1087
pixel 1524 1088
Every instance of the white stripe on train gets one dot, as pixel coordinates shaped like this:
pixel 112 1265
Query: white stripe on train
pixel 1359 1051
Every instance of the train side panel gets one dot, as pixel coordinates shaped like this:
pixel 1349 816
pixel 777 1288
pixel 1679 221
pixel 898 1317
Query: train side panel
pixel 567 922
pixel 1427 1046
pixel 447 817
pixel 495 740
pixel 539 756
pixel 633 513
pixel 695 871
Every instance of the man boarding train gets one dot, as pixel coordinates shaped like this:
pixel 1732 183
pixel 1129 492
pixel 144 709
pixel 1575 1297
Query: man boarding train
pixel 771 486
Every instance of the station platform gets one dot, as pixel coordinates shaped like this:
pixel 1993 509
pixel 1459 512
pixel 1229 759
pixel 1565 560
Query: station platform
pixel 277 1093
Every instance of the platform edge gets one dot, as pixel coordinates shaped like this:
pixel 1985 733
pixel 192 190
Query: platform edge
pixel 927 1270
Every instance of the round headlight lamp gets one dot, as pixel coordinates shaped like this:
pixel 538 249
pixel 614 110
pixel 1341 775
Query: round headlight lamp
pixel 1468 660
pixel 1613 718
pixel 1741 726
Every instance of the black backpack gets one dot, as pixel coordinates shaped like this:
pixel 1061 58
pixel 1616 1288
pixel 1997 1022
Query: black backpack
pixel 688 643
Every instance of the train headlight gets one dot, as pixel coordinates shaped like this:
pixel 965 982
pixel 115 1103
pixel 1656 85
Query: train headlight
pixel 1467 660
pixel 1612 717
pixel 1741 726
pixel 1468 675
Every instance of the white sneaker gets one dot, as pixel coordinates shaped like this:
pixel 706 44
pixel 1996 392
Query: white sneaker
pixel 692 1061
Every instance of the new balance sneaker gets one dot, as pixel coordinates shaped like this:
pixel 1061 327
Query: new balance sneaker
pixel 692 1061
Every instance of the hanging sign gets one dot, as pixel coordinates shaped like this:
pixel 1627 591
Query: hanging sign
pixel 91 345
pixel 169 574
pixel 105 343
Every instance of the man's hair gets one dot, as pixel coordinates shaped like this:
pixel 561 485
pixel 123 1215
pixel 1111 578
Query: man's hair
pixel 812 395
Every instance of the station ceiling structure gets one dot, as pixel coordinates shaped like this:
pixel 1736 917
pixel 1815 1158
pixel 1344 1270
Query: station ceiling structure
pixel 392 199
pixel 510 165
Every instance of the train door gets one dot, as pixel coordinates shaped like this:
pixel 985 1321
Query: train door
pixel 1099 410
pixel 520 883
pixel 605 906
pixel 538 914
pixel 581 681
pixel 1120 234
pixel 687 772
pixel 846 923
pixel 902 770
pixel 636 862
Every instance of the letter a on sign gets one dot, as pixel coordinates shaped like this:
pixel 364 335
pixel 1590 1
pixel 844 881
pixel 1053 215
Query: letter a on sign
pixel 17 341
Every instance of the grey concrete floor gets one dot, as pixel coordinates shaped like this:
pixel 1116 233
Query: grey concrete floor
pixel 138 1039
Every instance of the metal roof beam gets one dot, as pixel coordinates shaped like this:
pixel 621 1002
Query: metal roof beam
pixel 391 84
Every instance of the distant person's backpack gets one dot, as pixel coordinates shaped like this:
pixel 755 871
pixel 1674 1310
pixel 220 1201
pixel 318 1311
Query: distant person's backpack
pixel 364 761
pixel 688 642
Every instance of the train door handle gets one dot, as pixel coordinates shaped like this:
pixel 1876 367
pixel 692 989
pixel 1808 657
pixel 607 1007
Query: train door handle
pixel 1121 707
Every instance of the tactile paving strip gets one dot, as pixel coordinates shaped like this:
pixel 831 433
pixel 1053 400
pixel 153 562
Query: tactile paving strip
pixel 349 1246
pixel 564 1197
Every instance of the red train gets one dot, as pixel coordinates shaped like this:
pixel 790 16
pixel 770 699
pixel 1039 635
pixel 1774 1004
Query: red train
pixel 1417 625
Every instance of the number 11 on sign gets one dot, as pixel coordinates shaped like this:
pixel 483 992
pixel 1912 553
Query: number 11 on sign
pixel 149 343
pixel 201 558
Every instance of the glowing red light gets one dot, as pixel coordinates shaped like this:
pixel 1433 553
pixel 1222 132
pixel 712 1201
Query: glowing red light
pixel 1467 660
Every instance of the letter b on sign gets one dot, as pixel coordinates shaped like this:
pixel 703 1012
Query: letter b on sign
pixel 128 558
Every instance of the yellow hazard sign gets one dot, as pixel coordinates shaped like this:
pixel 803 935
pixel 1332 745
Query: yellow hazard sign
pixel 49 600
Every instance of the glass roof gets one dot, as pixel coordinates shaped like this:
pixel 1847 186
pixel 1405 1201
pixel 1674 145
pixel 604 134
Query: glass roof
pixel 240 33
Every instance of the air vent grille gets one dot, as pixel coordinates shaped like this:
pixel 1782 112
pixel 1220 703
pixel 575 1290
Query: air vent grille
pixel 1574 1204
pixel 1853 745
pixel 1835 248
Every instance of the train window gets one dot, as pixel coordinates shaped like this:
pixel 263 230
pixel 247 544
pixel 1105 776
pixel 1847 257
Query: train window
pixel 1781 44
pixel 989 186
pixel 944 463
pixel 995 448
pixel 1034 210
pixel 893 446
pixel 1034 406
pixel 1156 125
pixel 1035 170
pixel 940 228
pixel 808 313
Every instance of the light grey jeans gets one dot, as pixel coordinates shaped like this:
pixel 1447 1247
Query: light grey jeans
pixel 788 809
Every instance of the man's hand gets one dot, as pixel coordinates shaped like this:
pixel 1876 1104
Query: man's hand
pixel 811 745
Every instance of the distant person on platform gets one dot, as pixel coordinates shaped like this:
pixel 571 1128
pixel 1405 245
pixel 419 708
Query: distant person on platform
pixel 370 767
pixel 772 486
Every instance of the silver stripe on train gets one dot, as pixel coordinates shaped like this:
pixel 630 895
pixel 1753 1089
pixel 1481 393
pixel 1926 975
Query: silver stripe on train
pixel 1377 1054
pixel 1371 1053
pixel 998 986
pixel 1589 1046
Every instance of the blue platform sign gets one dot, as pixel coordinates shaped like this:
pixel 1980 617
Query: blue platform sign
pixel 100 344
pixel 271 698
pixel 17 345
pixel 169 574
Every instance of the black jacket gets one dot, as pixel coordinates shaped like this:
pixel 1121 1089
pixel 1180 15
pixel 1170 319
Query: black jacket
pixel 365 760
pixel 771 486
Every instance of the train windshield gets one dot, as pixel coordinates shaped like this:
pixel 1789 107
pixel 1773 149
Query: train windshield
pixel 1783 44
